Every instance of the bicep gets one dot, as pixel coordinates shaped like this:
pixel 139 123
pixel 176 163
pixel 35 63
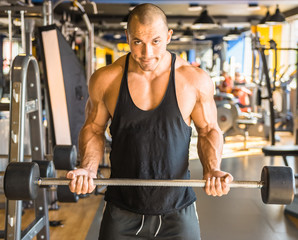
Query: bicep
pixel 204 114
pixel 102 115
pixel 96 113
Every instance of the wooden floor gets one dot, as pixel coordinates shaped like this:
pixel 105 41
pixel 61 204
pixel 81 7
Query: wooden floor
pixel 75 217
pixel 239 216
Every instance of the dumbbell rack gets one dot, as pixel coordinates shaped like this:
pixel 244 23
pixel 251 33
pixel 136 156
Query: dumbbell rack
pixel 26 101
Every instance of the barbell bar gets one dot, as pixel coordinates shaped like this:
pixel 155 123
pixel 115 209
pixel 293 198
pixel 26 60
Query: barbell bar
pixel 148 182
pixel 22 180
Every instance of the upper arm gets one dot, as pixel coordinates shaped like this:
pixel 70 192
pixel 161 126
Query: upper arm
pixel 96 112
pixel 204 114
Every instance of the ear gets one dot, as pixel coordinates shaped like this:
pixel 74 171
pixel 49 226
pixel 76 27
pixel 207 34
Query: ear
pixel 170 33
pixel 126 34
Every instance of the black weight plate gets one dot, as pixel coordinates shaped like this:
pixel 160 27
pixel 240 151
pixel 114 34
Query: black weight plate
pixel 65 195
pixel 46 168
pixel 65 157
pixel 19 181
pixel 278 185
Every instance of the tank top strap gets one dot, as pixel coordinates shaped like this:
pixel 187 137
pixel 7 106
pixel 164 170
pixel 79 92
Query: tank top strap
pixel 123 91
pixel 126 65
pixel 172 74
pixel 170 95
pixel 173 62
pixel 124 84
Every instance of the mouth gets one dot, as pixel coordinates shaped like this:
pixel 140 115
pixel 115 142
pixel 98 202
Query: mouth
pixel 147 60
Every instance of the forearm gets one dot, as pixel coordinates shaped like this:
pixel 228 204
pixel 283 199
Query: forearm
pixel 210 144
pixel 91 147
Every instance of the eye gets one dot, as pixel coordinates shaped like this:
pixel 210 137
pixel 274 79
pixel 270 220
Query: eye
pixel 137 42
pixel 156 41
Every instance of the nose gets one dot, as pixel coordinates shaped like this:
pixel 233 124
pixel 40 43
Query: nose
pixel 147 50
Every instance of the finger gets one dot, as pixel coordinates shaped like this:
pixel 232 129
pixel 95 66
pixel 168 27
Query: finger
pixel 70 175
pixel 213 189
pixel 225 185
pixel 218 187
pixel 72 185
pixel 91 185
pixel 79 184
pixel 226 189
pixel 85 185
pixel 229 178
pixel 207 187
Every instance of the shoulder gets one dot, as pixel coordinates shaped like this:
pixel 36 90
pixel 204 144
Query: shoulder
pixel 196 78
pixel 108 73
pixel 104 77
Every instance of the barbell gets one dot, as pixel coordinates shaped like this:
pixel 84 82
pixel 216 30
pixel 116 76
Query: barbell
pixel 22 180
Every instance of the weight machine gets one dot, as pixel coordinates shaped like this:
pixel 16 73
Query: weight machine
pixel 25 100
pixel 25 95
pixel 271 85
pixel 272 150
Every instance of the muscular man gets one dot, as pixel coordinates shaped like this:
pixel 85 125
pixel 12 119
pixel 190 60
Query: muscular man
pixel 151 96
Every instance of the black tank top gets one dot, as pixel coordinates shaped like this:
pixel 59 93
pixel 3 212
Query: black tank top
pixel 149 144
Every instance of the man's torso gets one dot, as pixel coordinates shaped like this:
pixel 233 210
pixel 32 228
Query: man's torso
pixel 150 141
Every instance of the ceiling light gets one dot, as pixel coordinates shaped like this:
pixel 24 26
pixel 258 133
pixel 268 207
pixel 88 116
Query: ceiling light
pixel 276 18
pixel 204 21
pixel 187 35
pixel 17 22
pixel 227 38
pixel 175 37
pixel 201 37
pixel 192 7
pixel 265 19
pixel 253 6
pixel 233 34
pixel 236 24
pixel 124 21
pixel 132 6
pixel 117 36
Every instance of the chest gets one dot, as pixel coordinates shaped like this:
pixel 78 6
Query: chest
pixel 148 95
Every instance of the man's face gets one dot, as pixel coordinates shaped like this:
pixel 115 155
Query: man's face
pixel 148 43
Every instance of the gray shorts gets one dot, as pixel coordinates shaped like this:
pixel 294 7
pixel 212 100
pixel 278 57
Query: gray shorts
pixel 119 224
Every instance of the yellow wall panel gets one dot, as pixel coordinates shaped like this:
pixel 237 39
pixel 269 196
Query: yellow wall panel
pixel 100 57
pixel 266 33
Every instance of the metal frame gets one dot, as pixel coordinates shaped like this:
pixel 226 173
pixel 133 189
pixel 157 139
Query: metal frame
pixel 269 97
pixel 26 101
pixel 291 209
pixel 262 49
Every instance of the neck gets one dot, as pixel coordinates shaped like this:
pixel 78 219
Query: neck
pixel 163 65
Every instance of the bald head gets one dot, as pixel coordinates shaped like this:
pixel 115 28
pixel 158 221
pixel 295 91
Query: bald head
pixel 146 14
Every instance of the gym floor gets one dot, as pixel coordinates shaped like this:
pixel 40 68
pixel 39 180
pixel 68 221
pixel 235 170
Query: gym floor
pixel 241 215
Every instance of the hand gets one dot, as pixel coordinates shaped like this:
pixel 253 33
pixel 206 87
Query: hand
pixel 217 182
pixel 81 180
